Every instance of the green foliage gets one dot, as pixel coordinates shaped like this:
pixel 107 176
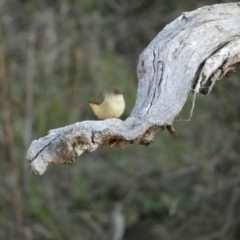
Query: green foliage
pixel 181 187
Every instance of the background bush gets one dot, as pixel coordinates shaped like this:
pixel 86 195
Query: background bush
pixel 54 57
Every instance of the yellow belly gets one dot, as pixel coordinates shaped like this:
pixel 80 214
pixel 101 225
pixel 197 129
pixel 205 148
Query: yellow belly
pixel 109 108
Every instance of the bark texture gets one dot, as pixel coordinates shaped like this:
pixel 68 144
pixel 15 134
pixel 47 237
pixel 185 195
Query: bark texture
pixel 191 53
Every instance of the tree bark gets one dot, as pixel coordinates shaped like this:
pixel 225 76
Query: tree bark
pixel 191 53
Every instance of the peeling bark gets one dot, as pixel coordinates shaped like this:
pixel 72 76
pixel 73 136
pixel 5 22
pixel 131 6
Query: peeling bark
pixel 193 52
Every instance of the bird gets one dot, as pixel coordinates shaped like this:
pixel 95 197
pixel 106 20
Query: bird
pixel 109 104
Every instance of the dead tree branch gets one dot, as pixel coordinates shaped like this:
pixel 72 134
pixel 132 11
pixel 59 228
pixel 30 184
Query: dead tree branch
pixel 193 52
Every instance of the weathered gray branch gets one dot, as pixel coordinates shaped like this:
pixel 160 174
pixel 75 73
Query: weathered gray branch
pixel 192 52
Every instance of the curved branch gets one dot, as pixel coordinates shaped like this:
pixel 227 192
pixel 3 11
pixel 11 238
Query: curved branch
pixel 192 52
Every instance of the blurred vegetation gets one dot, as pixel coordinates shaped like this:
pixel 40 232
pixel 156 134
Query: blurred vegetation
pixel 54 57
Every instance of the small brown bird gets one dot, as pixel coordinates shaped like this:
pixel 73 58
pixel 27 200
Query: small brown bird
pixel 109 104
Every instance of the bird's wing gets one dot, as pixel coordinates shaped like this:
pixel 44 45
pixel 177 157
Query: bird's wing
pixel 97 100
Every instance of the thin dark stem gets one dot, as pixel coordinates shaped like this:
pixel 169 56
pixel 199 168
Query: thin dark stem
pixel 9 141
